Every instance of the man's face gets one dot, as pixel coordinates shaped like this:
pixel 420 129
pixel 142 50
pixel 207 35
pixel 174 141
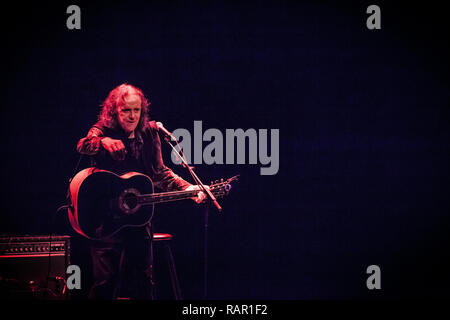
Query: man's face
pixel 129 114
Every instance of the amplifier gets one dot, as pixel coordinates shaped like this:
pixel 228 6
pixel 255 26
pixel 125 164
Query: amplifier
pixel 34 267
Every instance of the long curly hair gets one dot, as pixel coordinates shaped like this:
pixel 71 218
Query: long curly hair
pixel 108 113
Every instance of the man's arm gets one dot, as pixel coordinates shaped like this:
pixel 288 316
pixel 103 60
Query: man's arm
pixel 95 139
pixel 90 145
pixel 164 178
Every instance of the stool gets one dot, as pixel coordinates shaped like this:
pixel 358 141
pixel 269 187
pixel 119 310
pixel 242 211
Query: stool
pixel 165 238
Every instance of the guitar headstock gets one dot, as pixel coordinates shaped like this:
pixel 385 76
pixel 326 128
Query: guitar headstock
pixel 222 187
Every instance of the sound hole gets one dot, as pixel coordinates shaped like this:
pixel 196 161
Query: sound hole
pixel 128 201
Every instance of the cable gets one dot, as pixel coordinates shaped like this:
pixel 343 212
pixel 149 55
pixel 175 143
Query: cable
pixel 52 228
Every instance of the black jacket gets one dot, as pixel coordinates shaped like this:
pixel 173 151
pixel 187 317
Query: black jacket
pixel 143 155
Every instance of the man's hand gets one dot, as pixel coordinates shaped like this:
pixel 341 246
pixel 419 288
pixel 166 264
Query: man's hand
pixel 116 148
pixel 200 195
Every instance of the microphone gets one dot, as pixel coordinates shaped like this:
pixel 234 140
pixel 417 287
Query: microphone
pixel 165 131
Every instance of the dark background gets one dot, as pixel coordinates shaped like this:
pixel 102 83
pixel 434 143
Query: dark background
pixel 364 135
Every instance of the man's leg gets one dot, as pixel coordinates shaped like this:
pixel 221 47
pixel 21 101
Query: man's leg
pixel 140 257
pixel 106 261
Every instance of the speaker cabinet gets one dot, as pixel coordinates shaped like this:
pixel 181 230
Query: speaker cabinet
pixel 34 267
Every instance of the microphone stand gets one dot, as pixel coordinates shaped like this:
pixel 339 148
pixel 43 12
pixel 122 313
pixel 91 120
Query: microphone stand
pixel 212 199
pixel 194 176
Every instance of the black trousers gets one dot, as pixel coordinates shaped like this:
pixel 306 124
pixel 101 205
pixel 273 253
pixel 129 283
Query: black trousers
pixel 122 267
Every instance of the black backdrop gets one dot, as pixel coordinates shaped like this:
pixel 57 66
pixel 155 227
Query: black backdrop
pixel 364 131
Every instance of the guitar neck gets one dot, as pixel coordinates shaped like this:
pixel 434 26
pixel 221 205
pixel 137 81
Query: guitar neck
pixel 166 196
pixel 217 189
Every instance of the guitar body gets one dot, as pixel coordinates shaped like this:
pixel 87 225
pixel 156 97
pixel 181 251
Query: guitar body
pixel 104 203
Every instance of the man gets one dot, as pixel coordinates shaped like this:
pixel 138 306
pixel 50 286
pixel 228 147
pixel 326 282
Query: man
pixel 124 140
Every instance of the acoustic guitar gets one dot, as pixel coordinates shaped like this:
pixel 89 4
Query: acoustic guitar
pixel 103 203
